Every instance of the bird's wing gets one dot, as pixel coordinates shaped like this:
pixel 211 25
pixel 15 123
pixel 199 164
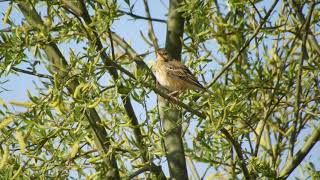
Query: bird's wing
pixel 178 70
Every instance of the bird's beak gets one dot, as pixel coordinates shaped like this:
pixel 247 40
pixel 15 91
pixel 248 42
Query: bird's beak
pixel 157 53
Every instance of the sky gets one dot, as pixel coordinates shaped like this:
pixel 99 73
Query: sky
pixel 130 30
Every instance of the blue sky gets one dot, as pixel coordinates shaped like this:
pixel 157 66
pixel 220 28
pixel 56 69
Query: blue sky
pixel 129 29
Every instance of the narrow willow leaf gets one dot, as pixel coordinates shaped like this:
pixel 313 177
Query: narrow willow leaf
pixel 5 122
pixel 15 176
pixel 124 90
pixel 36 51
pixel 22 104
pixel 93 160
pixel 7 14
pixel 55 103
pixel 90 141
pixel 4 158
pixel 75 148
pixel 101 1
pixel 20 138
pixel 216 176
pixel 60 108
pixel 276 128
pixel 93 176
pixel 289 131
pixel 78 128
pixel 8 68
pixel 2 102
pixel 80 88
pixel 95 103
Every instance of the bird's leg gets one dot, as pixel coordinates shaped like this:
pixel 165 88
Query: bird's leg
pixel 174 95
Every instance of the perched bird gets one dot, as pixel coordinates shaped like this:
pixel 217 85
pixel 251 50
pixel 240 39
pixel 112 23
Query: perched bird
pixel 173 75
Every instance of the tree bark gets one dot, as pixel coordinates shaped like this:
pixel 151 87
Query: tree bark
pixel 170 115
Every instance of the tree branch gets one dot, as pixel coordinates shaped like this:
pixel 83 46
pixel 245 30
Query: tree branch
pixel 151 31
pixel 151 168
pixel 59 65
pixel 32 73
pixel 312 39
pixel 301 154
pixel 175 28
pixel 170 115
pixel 142 17
pixel 238 150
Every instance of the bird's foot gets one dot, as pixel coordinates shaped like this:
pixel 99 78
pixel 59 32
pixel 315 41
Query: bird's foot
pixel 174 95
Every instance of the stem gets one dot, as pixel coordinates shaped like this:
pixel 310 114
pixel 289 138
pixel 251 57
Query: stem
pixel 151 31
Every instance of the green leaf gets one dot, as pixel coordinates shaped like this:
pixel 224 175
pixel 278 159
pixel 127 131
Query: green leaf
pixel 74 149
pixel 7 14
pixel 127 2
pixel 124 90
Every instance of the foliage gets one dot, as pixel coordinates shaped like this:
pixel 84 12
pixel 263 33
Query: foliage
pixel 94 97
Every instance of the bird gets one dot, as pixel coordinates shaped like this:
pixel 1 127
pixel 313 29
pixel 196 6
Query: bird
pixel 173 75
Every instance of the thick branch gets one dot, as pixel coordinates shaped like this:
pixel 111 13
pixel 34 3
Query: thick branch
pixel 175 27
pixel 170 115
pixel 301 154
pixel 59 65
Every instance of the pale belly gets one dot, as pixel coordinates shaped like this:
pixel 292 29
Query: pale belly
pixel 169 82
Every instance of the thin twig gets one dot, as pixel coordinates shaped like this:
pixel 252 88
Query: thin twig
pixel 312 39
pixel 133 55
pixel 238 150
pixel 193 168
pixel 106 88
pixel 267 115
pixel 135 16
pixel 151 30
pixel 32 73
pixel 142 170
pixel 255 8
pixel 142 17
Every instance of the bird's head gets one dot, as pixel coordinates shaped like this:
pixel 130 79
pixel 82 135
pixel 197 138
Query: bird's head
pixel 162 55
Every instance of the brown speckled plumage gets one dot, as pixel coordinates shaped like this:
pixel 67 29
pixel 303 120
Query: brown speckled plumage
pixel 173 75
